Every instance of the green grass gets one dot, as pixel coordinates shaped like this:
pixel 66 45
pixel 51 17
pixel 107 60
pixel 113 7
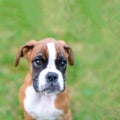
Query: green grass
pixel 91 27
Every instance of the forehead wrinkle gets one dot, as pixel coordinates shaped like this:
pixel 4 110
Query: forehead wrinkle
pixel 60 52
pixel 40 49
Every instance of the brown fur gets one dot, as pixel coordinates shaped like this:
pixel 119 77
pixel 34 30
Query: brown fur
pixel 62 102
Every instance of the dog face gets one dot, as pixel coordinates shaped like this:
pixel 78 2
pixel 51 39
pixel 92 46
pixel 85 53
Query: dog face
pixel 49 70
pixel 48 61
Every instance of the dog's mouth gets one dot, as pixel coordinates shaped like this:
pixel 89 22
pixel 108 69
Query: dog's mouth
pixel 50 89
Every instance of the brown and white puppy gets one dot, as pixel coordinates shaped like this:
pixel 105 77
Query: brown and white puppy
pixel 43 96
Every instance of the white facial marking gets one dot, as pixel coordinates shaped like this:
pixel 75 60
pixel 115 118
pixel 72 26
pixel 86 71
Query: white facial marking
pixel 40 106
pixel 51 67
pixel 52 55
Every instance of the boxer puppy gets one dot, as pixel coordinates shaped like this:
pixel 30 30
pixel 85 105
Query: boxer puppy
pixel 43 95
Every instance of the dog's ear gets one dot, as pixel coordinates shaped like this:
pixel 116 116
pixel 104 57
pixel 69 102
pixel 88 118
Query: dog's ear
pixel 69 51
pixel 70 54
pixel 25 51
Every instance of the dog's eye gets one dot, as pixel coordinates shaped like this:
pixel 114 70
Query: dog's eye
pixel 63 63
pixel 38 62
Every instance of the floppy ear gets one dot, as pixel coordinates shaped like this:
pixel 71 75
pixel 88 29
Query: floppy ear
pixel 69 51
pixel 70 54
pixel 25 51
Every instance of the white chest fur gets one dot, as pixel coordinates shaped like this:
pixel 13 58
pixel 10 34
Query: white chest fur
pixel 41 107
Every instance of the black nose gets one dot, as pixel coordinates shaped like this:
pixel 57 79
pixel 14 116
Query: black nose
pixel 51 77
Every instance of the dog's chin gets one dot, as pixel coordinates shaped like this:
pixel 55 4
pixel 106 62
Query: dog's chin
pixel 51 90
pixel 48 89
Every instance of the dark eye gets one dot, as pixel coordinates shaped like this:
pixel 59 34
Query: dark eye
pixel 38 62
pixel 63 63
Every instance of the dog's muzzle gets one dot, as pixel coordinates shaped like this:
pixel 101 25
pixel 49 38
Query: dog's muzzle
pixel 50 82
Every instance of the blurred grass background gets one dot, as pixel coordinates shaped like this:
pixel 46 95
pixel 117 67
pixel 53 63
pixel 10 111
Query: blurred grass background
pixel 91 27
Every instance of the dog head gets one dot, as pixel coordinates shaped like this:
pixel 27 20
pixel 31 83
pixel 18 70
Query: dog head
pixel 48 62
